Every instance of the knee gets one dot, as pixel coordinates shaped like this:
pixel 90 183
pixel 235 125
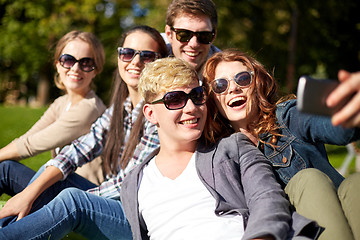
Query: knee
pixel 70 193
pixel 310 177
pixel 350 186
pixel 308 182
pixel 7 165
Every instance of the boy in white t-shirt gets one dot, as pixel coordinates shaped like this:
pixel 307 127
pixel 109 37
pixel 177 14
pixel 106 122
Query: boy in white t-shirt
pixel 190 189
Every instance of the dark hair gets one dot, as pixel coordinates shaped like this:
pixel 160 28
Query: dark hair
pixel 115 137
pixel 263 95
pixel 194 7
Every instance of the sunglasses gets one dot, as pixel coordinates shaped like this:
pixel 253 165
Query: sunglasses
pixel 85 64
pixel 178 99
pixel 128 54
pixel 184 35
pixel 242 79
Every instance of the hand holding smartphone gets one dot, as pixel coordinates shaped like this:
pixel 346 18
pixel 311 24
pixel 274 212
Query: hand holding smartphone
pixel 312 94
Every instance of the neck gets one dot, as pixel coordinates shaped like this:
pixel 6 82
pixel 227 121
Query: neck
pixel 172 162
pixel 76 97
pixel 252 137
pixel 134 95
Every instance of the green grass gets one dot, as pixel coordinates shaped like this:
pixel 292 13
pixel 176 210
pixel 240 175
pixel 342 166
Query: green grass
pixel 15 121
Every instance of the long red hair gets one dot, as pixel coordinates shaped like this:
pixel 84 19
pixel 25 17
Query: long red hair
pixel 262 95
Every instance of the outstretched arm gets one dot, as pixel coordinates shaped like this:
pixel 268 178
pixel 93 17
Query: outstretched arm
pixel 9 152
pixel 349 115
pixel 21 203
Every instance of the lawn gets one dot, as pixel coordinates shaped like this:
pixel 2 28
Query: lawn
pixel 15 121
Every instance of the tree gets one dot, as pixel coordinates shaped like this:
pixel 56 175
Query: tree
pixel 30 30
pixel 290 37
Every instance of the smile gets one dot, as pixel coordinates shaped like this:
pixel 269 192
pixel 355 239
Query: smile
pixel 237 101
pixel 191 121
pixel 192 54
pixel 134 71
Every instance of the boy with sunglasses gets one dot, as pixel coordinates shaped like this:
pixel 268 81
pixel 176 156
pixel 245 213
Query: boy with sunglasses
pixel 192 189
pixel 191 28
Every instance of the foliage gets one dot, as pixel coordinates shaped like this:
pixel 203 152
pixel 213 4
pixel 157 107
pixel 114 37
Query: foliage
pixel 290 37
pixel 30 30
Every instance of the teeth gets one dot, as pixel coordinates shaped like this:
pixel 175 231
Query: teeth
pixel 192 121
pixel 74 77
pixel 236 99
pixel 191 54
pixel 134 71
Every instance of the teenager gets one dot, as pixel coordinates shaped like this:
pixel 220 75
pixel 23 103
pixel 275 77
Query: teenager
pixel 79 58
pixel 243 98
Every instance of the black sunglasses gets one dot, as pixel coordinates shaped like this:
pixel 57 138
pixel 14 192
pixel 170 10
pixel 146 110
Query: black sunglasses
pixel 184 35
pixel 178 99
pixel 242 79
pixel 85 64
pixel 128 54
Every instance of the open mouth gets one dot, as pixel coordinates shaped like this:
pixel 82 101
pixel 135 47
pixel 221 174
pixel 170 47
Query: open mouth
pixel 237 102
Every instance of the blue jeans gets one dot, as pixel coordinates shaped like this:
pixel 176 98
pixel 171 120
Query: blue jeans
pixel 14 177
pixel 66 207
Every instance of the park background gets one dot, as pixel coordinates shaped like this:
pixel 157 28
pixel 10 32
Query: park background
pixel 290 37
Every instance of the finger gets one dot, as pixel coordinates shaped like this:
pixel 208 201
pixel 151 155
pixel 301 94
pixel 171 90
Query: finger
pixel 350 83
pixel 353 122
pixel 6 212
pixel 343 75
pixel 21 215
pixel 351 109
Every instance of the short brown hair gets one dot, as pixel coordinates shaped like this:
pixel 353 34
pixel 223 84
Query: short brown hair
pixel 194 7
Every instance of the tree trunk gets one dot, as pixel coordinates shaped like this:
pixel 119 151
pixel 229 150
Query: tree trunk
pixel 290 79
pixel 43 90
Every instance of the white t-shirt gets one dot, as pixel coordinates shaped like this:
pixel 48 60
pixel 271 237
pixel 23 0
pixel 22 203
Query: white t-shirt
pixel 182 208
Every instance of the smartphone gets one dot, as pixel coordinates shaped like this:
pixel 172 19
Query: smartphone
pixel 312 94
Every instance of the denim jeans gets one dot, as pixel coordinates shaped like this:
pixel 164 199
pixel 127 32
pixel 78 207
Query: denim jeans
pixel 14 177
pixel 66 207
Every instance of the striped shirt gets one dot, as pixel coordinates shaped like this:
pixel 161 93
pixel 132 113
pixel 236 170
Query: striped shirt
pixel 90 146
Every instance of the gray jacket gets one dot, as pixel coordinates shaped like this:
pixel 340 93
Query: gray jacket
pixel 241 180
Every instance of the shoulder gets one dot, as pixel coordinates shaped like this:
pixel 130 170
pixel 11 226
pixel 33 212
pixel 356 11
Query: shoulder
pixel 285 106
pixel 233 146
pixel 91 103
pixel 287 111
pixel 60 100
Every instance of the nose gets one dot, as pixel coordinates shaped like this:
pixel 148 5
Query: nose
pixel 189 106
pixel 193 42
pixel 136 60
pixel 75 67
pixel 233 87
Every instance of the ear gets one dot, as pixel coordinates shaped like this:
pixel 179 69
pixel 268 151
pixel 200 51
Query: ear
pixel 168 33
pixel 149 113
pixel 58 66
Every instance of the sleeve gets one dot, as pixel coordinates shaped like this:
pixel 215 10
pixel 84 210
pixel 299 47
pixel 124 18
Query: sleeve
pixel 50 133
pixel 148 143
pixel 268 207
pixel 84 149
pixel 316 129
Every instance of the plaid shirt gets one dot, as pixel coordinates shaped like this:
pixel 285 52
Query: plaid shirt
pixel 90 146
